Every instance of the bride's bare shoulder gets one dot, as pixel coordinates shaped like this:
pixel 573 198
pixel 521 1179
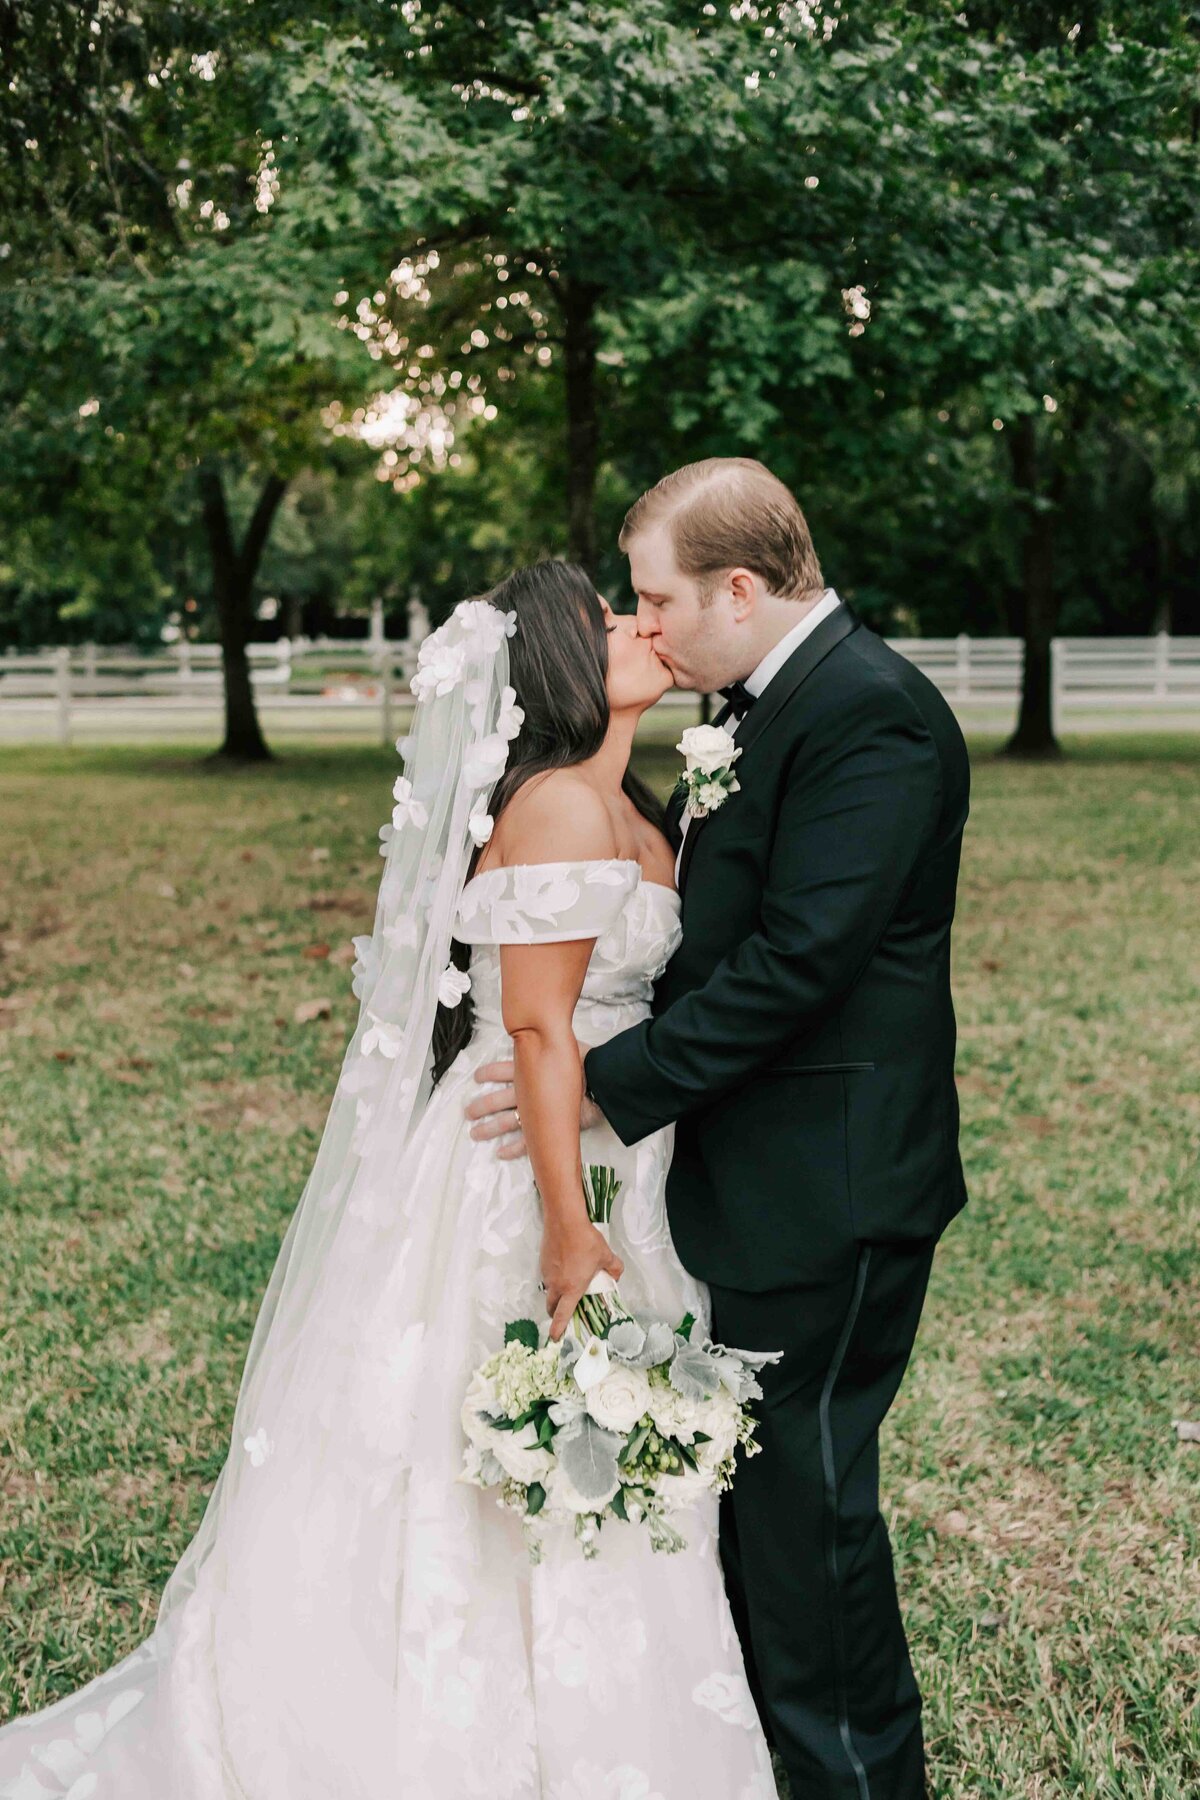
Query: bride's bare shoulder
pixel 557 816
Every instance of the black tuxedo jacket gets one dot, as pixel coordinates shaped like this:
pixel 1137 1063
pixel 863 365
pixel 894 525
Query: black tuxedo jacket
pixel 803 1034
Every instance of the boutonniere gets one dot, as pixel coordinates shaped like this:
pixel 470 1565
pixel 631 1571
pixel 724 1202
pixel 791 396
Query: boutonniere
pixel 709 779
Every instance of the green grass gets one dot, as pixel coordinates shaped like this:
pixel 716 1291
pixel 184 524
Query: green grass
pixel 159 923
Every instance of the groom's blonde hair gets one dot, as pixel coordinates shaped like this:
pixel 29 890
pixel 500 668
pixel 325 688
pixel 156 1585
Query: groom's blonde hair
pixel 729 512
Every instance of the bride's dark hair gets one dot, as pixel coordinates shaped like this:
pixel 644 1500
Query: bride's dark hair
pixel 558 659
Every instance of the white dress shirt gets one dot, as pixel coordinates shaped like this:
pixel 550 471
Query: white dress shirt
pixel 770 665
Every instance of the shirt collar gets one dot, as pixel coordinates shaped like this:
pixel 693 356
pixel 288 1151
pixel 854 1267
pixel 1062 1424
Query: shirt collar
pixel 774 660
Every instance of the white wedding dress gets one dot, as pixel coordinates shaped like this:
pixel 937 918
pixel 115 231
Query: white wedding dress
pixel 371 1628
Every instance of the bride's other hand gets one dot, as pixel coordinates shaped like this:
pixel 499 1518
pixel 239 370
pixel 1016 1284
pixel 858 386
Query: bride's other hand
pixel 495 1113
pixel 570 1257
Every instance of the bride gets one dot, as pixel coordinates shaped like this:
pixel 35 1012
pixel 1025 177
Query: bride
pixel 351 1621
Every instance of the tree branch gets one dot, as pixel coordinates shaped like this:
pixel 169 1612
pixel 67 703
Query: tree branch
pixel 259 527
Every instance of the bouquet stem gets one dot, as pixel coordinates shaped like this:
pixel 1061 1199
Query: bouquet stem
pixel 601 1305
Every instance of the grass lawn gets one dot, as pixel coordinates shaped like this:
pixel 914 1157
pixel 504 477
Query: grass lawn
pixel 160 924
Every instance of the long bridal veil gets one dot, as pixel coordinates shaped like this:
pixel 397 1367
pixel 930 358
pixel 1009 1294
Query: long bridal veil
pixel 258 1626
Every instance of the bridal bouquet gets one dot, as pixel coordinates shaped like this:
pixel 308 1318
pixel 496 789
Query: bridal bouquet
pixel 624 1417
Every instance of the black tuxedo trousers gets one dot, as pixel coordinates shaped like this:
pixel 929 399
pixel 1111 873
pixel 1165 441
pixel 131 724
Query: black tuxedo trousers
pixel 804 1547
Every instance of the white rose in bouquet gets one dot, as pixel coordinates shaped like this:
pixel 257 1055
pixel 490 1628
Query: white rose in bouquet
pixel 480 1397
pixel 618 1401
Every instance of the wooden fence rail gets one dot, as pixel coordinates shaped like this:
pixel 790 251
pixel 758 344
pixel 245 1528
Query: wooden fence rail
pixel 317 684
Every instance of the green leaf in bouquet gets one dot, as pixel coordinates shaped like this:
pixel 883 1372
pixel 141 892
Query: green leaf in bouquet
pixel 702 1437
pixel 659 1345
pixel 685 1327
pixel 633 1446
pixel 521 1331
pixel 535 1497
pixel 618 1504
pixel 545 1434
pixel 626 1339
pixel 686 1452
pixel 694 1373
pixel 588 1455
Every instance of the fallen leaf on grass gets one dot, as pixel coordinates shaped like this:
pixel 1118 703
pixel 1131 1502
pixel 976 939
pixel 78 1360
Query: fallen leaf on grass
pixel 318 856
pixel 64 1056
pixel 315 952
pixel 336 903
pixel 956 1524
pixel 1187 1430
pixel 312 1009
pixel 977 1084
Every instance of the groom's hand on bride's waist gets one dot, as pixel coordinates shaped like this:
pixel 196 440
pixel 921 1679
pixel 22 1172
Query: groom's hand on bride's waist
pixel 495 1112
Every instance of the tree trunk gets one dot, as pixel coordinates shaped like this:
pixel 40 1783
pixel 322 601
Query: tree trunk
pixel 579 315
pixel 233 573
pixel 1034 735
pixel 293 624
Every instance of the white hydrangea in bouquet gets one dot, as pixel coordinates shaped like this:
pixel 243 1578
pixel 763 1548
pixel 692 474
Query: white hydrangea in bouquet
pixel 626 1417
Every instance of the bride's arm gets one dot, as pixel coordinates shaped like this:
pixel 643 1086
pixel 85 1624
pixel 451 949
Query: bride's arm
pixel 541 984
pixel 563 820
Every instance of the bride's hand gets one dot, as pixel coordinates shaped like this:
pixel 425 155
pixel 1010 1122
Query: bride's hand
pixel 495 1114
pixel 571 1255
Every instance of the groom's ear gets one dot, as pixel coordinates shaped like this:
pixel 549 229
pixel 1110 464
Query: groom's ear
pixel 743 589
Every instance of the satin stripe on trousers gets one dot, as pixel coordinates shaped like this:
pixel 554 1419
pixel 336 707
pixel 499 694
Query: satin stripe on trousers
pixel 806 1555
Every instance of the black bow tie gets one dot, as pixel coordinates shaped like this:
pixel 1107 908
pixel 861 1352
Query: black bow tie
pixel 739 697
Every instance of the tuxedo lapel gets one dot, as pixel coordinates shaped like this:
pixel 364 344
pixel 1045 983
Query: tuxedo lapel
pixel 672 821
pixel 795 671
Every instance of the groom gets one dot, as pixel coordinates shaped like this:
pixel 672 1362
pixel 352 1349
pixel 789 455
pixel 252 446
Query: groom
pixel 802 1042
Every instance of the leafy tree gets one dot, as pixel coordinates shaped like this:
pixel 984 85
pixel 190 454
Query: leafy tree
pixel 557 163
pixel 1040 260
pixel 592 241
pixel 161 338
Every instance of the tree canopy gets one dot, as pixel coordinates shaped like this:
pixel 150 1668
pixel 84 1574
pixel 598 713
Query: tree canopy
pixel 487 271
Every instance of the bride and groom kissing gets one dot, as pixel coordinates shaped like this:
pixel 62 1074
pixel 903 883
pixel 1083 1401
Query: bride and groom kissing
pixel 802 1046
pixel 744 1009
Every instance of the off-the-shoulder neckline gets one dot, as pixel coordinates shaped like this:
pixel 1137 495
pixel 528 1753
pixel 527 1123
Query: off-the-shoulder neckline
pixel 579 862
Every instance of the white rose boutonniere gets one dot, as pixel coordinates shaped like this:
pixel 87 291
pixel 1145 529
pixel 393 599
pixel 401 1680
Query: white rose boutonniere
pixel 709 778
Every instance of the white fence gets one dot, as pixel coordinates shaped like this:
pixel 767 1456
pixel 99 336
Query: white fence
pixel 328 685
